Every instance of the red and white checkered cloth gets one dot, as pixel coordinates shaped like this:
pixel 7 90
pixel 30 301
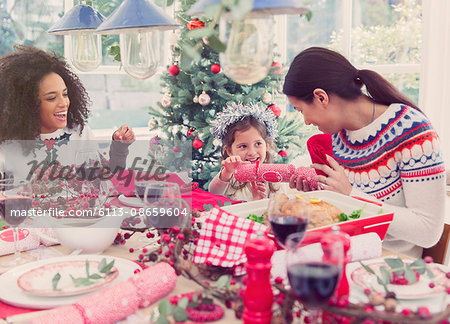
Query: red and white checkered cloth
pixel 222 238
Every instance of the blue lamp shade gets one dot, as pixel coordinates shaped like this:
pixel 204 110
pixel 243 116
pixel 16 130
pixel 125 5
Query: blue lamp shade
pixel 79 18
pixel 268 7
pixel 136 16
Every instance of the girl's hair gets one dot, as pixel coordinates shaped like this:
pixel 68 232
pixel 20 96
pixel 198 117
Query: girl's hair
pixel 20 74
pixel 318 67
pixel 241 126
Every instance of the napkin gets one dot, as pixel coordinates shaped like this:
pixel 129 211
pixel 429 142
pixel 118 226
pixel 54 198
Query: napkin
pixel 222 238
pixel 28 239
pixel 319 146
pixel 274 173
pixel 118 301
pixel 362 247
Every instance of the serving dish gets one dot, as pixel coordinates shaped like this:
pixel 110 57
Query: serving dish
pixel 374 217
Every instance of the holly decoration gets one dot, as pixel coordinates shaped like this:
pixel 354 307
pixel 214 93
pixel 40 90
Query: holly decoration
pixel 174 70
pixel 215 68
pixel 197 143
pixel 276 110
pixel 278 68
pixel 195 23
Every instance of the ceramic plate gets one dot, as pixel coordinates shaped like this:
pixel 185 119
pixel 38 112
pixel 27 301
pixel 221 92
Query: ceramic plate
pixel 417 290
pixel 12 294
pixel 38 281
pixel 131 201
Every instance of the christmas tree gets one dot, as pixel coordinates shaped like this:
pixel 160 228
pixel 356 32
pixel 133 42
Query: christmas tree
pixel 195 91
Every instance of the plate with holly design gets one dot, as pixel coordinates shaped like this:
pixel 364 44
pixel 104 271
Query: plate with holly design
pixel 430 283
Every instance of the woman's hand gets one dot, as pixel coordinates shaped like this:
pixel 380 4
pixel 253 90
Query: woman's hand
pixel 300 183
pixel 229 165
pixel 336 179
pixel 258 190
pixel 124 134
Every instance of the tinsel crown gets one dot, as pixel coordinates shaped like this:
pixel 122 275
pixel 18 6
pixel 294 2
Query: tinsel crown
pixel 237 111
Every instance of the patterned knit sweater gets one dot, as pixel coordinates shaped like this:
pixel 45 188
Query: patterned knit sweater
pixel 397 159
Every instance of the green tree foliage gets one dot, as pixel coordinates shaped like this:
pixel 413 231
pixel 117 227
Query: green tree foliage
pixel 185 121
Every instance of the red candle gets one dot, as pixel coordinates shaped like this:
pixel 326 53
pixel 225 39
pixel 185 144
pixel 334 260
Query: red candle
pixel 258 295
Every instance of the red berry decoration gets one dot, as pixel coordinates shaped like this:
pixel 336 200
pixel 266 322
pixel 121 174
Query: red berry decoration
pixel 197 143
pixel 428 259
pixel 278 68
pixel 215 68
pixel 194 24
pixel 176 149
pixel 276 110
pixel 401 280
pixel 423 312
pixel 174 70
pixel 283 153
pixel 205 313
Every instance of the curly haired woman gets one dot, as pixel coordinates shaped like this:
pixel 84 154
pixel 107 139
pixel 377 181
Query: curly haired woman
pixel 44 102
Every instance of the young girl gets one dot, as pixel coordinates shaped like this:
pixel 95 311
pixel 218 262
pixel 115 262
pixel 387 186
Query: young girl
pixel 247 134
pixel 384 146
pixel 44 108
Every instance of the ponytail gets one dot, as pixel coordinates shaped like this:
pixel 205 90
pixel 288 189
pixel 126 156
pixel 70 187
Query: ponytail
pixel 318 67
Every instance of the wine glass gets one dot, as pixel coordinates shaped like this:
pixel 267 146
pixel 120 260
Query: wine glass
pixel 15 203
pixel 89 168
pixel 163 205
pixel 288 215
pixel 314 276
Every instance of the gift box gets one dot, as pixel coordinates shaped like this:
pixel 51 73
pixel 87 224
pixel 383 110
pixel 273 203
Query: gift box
pixel 374 217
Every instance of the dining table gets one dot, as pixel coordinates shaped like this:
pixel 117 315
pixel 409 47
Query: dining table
pixel 136 242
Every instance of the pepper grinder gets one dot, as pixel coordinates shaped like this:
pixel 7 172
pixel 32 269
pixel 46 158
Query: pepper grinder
pixel 258 295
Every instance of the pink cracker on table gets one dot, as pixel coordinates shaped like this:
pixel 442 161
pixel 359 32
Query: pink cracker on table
pixel 118 301
pixel 222 238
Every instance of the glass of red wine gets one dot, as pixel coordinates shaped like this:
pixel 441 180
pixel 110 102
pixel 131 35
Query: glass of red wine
pixel 314 272
pixel 15 203
pixel 288 215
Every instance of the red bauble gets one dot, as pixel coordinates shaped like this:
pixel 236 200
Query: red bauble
pixel 189 132
pixel 276 110
pixel 215 68
pixel 277 67
pixel 176 149
pixel 174 70
pixel 195 23
pixel 197 143
pixel 283 153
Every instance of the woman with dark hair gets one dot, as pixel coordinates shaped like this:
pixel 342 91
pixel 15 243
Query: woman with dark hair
pixel 384 147
pixel 42 100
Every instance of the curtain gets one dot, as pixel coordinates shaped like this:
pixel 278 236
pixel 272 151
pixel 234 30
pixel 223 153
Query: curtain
pixel 434 95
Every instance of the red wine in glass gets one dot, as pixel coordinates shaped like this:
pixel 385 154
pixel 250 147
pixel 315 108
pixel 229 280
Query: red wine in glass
pixel 283 226
pixel 313 283
pixel 14 210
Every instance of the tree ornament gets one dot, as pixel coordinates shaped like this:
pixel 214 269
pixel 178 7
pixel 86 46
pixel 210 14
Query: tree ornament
pixel 174 70
pixel 276 110
pixel 166 100
pixel 195 99
pixel 215 68
pixel 197 143
pixel 189 132
pixel 152 123
pixel 277 67
pixel 176 149
pixel 195 23
pixel 283 153
pixel 204 99
pixel 266 98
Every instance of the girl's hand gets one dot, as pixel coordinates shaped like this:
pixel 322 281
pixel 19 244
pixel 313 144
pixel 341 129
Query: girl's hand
pixel 336 179
pixel 258 190
pixel 300 183
pixel 124 134
pixel 229 165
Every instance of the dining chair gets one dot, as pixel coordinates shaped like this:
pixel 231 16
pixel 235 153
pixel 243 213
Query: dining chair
pixel 439 251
